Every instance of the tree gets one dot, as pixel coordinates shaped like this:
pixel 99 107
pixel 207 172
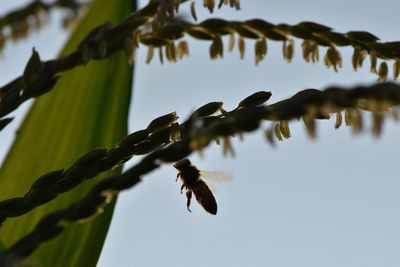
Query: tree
pixel 284 149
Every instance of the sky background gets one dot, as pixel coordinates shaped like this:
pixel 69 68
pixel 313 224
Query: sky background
pixel 329 202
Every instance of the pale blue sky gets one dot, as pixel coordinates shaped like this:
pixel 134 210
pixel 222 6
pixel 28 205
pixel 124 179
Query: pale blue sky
pixel 329 202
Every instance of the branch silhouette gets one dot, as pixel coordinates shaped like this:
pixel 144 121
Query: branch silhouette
pixel 102 42
pixel 197 132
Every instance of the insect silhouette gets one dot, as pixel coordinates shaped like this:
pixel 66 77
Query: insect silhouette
pixel 190 177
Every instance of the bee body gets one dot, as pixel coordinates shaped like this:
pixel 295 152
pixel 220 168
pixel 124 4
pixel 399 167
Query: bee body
pixel 191 181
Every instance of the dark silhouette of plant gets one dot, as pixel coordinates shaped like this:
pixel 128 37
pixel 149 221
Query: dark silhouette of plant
pixel 158 27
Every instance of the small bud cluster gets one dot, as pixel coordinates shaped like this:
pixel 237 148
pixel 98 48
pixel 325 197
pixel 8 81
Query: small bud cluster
pixel 17 24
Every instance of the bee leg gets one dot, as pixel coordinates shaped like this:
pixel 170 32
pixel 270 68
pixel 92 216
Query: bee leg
pixel 178 176
pixel 189 197
pixel 183 186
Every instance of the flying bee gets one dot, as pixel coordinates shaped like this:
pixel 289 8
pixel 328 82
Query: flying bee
pixel 191 180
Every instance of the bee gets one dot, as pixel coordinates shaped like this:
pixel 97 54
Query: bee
pixel 190 177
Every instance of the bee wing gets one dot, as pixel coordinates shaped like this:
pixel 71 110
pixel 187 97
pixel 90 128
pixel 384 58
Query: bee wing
pixel 216 177
pixel 205 197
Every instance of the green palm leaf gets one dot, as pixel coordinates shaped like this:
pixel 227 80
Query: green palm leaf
pixel 87 109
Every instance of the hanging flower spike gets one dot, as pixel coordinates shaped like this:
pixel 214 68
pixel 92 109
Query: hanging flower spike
pixel 310 51
pixel 333 58
pixel 339 120
pixel 383 71
pixel 217 48
pixel 193 10
pixel 396 69
pixel 306 50
pixel 161 55
pixel 231 45
pixel 374 61
pixel 284 129
pixel 150 54
pixel 309 122
pixel 242 47
pixel 314 52
pixel 288 50
pixel 209 4
pixel 277 131
pixel 358 58
pixel 170 51
pixel 356 120
pixel 260 50
pixel 232 3
pixel 182 50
